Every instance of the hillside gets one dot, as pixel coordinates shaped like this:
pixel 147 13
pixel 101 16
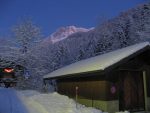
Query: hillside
pixel 128 28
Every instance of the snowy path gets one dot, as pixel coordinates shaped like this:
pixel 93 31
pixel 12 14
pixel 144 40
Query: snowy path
pixel 10 102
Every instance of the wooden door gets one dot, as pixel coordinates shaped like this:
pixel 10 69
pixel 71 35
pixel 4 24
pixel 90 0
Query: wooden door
pixel 131 96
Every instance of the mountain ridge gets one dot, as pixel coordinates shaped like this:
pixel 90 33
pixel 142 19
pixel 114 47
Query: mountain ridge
pixel 64 32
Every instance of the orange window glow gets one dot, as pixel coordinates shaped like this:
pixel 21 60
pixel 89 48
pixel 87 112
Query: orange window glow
pixel 8 70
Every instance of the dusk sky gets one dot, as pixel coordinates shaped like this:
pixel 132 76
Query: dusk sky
pixel 52 14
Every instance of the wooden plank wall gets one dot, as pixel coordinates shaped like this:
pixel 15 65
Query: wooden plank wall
pixel 97 90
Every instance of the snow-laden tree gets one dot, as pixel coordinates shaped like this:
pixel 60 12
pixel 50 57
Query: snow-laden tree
pixel 144 28
pixel 26 33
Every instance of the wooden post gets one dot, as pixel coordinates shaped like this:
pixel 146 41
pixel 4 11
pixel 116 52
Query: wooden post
pixel 145 89
pixel 76 95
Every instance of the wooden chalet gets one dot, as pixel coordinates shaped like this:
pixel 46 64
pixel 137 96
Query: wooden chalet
pixel 115 81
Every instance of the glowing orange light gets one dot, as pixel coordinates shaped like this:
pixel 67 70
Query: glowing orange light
pixel 8 70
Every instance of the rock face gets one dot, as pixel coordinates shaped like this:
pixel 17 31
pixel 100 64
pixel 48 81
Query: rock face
pixel 64 32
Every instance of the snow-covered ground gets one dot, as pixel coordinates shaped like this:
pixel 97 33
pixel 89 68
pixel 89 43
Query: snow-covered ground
pixel 12 101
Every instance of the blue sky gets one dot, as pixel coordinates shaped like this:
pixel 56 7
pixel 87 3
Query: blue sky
pixel 52 14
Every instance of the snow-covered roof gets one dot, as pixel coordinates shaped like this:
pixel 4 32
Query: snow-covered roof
pixel 96 63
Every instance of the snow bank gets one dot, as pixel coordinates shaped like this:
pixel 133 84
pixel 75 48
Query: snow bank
pixel 53 103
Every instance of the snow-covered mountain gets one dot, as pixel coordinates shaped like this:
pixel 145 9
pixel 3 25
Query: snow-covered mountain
pixel 64 32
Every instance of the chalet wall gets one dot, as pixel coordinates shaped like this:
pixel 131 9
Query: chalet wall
pixel 92 93
pixel 107 106
pixel 95 90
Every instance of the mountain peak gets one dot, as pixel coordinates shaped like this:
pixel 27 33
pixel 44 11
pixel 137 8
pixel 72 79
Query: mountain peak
pixel 64 32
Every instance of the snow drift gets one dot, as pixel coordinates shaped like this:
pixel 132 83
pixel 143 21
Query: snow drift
pixel 52 103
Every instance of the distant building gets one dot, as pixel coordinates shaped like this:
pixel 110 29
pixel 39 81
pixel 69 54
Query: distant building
pixel 5 63
pixel 115 81
pixel 10 72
